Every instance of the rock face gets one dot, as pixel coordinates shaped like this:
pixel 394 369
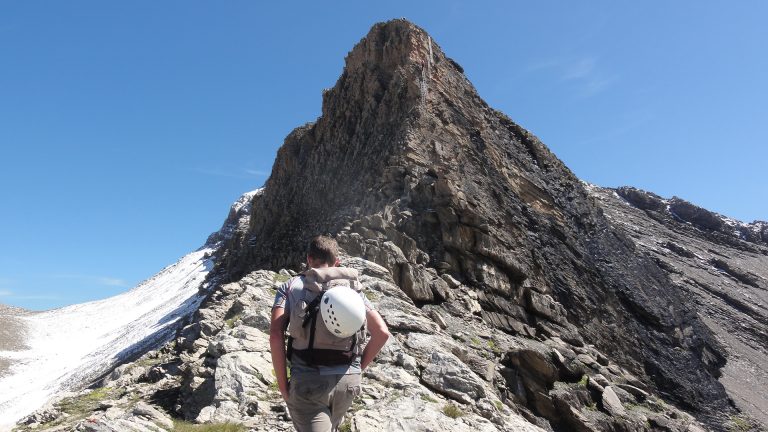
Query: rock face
pixel 412 170
pixel 722 267
pixel 516 304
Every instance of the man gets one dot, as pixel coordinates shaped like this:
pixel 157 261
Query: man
pixel 323 382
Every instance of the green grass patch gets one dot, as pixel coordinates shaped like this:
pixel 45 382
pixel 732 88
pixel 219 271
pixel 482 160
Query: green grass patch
pixel 85 404
pixel 345 427
pixel 583 381
pixel 655 404
pixel 273 385
pixel 148 362
pixel 475 341
pixel 231 321
pixel 498 404
pixel 740 423
pixel 452 411
pixel 494 347
pixel 183 426
pixel 427 397
pixel 372 295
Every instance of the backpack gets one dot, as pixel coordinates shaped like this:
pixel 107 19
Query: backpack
pixel 310 339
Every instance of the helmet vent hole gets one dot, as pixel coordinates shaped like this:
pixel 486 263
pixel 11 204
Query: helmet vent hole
pixel 326 301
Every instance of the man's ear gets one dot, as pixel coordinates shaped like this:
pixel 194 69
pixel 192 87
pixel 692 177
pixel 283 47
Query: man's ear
pixel 336 264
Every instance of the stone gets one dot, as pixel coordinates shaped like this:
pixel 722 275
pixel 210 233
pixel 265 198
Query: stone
pixel 600 379
pixel 438 318
pixel 413 413
pixel 450 280
pixel 535 362
pixel 153 414
pixel 46 414
pixel 257 319
pixel 240 379
pixel 595 387
pixel 391 376
pixel 588 361
pixel 544 305
pixel 406 361
pixel 639 394
pixel 447 375
pixel 612 404
pixel 404 316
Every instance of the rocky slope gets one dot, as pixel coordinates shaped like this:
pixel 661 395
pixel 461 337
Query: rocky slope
pixel 446 369
pixel 722 267
pixel 47 353
pixel 411 169
pixel 516 302
pixel 12 334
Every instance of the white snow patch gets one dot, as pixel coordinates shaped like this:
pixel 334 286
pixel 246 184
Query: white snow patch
pixel 75 344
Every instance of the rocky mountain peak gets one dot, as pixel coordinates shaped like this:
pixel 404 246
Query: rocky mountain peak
pixel 409 168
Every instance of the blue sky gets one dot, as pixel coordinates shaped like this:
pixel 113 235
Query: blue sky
pixel 128 128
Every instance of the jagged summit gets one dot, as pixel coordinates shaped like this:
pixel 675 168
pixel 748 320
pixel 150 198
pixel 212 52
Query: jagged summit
pixel 357 150
pixel 713 223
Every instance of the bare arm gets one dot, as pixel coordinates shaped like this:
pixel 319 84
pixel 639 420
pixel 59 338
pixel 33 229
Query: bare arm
pixel 379 336
pixel 277 347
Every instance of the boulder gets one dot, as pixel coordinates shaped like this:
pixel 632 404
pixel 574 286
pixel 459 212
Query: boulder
pixel 153 414
pixel 535 362
pixel 612 404
pixel 447 375
pixel 544 305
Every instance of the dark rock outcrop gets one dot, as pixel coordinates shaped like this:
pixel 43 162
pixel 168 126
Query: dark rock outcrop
pixel 722 267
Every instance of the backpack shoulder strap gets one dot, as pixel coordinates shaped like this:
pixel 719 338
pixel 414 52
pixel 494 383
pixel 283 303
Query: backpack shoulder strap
pixel 289 347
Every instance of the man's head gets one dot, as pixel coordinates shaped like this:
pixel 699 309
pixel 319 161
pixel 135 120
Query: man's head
pixel 322 252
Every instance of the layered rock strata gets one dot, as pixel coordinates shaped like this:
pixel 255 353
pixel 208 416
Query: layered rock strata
pixel 722 267
pixel 411 169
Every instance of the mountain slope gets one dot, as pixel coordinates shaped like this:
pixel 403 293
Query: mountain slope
pixel 68 347
pixel 721 265
pixel 410 168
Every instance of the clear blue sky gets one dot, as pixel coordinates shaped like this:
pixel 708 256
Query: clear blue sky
pixel 127 128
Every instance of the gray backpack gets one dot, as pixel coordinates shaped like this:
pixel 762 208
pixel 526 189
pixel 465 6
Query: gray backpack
pixel 310 339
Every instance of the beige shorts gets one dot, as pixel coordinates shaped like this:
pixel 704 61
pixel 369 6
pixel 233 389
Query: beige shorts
pixel 317 403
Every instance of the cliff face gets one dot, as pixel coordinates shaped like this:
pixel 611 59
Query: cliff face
pixel 408 167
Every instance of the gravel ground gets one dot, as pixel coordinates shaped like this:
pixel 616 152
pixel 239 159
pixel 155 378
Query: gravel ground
pixel 11 333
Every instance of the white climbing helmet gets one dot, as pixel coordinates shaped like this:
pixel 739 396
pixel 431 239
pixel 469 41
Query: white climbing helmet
pixel 343 311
